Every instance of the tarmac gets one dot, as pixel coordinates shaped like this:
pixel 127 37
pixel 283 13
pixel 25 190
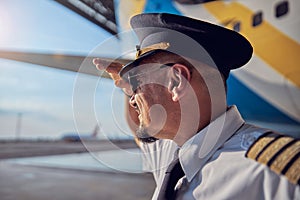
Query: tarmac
pixel 29 182
pixel 27 148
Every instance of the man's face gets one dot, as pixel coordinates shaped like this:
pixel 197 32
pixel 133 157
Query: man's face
pixel 151 100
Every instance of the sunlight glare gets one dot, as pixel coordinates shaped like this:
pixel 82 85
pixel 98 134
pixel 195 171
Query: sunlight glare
pixel 4 28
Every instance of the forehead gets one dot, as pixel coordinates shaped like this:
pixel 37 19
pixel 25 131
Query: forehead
pixel 145 69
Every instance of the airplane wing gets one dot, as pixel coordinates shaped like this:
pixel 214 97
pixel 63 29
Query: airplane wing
pixel 102 13
pixel 75 63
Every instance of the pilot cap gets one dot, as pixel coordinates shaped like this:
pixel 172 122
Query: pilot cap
pixel 208 43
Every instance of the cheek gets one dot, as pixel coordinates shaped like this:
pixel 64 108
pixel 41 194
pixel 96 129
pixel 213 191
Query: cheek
pixel 154 94
pixel 143 103
pixel 147 98
pixel 159 97
pixel 158 94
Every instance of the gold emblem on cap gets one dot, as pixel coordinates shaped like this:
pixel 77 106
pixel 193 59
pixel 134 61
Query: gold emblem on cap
pixel 161 45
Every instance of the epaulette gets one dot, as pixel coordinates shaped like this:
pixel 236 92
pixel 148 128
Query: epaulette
pixel 280 153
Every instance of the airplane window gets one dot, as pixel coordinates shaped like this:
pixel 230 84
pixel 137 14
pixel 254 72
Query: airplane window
pixel 237 26
pixel 282 9
pixel 257 19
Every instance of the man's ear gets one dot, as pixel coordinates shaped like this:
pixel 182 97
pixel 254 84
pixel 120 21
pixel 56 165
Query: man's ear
pixel 179 77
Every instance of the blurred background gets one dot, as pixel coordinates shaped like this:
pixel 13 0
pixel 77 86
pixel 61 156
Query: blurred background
pixel 55 107
pixel 36 101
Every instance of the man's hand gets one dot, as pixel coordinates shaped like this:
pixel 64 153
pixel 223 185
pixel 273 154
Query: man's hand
pixel 113 69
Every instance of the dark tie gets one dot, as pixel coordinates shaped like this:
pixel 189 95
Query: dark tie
pixel 173 174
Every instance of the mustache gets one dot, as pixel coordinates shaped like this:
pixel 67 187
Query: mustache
pixel 144 137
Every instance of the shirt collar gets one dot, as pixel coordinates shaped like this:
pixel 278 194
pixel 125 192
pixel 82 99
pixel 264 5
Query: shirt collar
pixel 197 150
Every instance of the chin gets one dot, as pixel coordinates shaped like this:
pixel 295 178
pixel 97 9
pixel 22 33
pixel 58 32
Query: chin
pixel 147 140
pixel 144 136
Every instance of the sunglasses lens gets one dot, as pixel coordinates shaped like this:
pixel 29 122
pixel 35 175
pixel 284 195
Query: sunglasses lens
pixel 133 77
pixel 134 83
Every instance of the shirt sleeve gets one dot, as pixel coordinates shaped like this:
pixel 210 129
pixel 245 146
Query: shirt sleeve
pixel 274 186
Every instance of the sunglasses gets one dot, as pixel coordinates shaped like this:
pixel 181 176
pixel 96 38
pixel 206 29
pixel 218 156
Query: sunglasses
pixel 134 79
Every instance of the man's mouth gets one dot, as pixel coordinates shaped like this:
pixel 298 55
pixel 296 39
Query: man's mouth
pixel 143 136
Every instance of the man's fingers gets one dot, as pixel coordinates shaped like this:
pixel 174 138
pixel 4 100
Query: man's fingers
pixel 125 86
pixel 113 68
pixel 100 65
pixel 115 77
pixel 110 67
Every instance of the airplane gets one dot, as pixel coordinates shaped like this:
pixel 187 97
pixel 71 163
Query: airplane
pixel 78 137
pixel 266 90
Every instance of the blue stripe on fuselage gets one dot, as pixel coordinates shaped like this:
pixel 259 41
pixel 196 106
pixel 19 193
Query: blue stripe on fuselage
pixel 160 6
pixel 252 106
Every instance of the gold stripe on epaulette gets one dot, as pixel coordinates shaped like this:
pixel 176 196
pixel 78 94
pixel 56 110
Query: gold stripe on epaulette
pixel 271 150
pixel 293 173
pixel 280 153
pixel 259 145
pixel 285 157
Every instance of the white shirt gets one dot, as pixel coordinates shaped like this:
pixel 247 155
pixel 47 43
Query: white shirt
pixel 215 165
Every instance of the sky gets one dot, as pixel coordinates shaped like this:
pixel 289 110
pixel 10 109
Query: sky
pixel 42 96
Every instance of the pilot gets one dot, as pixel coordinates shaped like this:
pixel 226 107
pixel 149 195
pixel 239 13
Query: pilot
pixel 197 146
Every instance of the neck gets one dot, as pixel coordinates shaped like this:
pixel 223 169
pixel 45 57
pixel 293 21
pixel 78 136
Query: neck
pixel 193 120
